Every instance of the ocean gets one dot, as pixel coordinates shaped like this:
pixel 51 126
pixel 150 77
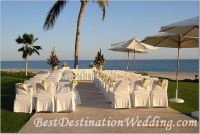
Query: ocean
pixel 186 65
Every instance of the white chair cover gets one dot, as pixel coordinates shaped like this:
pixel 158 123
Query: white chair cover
pixel 50 88
pixel 140 97
pixel 65 97
pixel 158 96
pixel 23 103
pixel 45 97
pixel 64 87
pixel 65 102
pixel 28 89
pixel 32 83
pixel 67 75
pixel 45 102
pixel 121 98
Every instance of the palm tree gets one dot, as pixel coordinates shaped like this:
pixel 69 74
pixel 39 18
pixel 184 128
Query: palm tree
pixel 58 7
pixel 27 49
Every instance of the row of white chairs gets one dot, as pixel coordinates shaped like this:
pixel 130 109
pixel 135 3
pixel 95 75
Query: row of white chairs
pixel 45 92
pixel 126 90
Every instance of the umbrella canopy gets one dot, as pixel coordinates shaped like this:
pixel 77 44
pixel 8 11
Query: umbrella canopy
pixel 173 41
pixel 189 27
pixel 131 46
pixel 118 49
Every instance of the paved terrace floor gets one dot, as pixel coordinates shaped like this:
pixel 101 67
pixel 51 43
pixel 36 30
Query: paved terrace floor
pixel 95 107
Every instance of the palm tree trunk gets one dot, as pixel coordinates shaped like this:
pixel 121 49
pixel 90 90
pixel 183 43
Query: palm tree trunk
pixel 26 65
pixel 77 41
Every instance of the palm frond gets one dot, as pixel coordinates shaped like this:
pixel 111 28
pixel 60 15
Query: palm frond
pixel 21 49
pixel 37 47
pixel 103 4
pixel 27 38
pixel 53 14
pixel 35 40
pixel 19 40
pixel 36 52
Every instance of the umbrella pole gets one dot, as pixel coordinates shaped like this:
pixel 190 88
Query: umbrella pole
pixel 134 57
pixel 177 71
pixel 176 99
pixel 128 61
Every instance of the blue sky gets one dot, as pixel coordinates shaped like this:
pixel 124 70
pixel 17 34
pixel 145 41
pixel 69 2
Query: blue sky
pixel 123 21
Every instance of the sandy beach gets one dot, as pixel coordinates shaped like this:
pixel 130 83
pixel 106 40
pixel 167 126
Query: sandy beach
pixel 169 75
pixel 172 75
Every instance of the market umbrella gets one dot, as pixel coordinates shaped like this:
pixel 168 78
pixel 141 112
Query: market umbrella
pixel 128 51
pixel 131 46
pixel 173 41
pixel 188 27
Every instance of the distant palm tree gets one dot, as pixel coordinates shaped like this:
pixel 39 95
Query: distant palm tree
pixel 27 49
pixel 58 7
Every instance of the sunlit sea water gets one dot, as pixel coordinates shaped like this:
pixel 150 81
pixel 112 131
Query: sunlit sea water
pixel 140 65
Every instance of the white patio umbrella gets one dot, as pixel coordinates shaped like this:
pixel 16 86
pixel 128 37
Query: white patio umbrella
pixel 173 41
pixel 131 46
pixel 128 51
pixel 188 27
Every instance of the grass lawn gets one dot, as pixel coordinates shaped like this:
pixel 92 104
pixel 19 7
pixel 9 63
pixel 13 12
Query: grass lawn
pixel 12 122
pixel 189 92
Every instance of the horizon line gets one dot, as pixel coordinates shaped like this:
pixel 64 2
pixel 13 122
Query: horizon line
pixel 106 60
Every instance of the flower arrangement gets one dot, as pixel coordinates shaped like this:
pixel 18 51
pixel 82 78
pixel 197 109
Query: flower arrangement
pixel 53 60
pixel 99 60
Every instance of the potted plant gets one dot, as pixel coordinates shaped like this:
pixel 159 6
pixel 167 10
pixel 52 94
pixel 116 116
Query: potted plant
pixel 99 60
pixel 53 60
